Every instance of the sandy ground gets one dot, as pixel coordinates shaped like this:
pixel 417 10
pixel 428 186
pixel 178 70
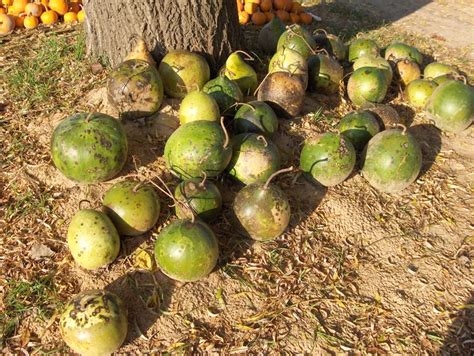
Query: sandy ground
pixel 447 20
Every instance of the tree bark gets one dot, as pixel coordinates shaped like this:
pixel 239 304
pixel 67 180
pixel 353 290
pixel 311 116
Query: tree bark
pixel 208 27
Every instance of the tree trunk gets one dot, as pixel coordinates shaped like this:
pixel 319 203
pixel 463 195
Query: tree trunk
pixel 209 27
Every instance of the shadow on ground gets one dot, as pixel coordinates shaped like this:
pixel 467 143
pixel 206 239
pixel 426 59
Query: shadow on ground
pixel 146 295
pixel 460 337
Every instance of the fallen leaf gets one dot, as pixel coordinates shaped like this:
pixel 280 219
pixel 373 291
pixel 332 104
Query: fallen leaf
pixel 39 251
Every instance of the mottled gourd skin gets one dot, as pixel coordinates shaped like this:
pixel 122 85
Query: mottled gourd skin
pixel 392 161
pixel 259 118
pixel 92 239
pixel 291 62
pixel 254 158
pixel 367 84
pixel 359 127
pixel 329 159
pixel 284 93
pixel 263 213
pixel 451 106
pixel 94 323
pixel 298 39
pixel 435 70
pixel 204 199
pixel 269 35
pixel 376 62
pixel 407 71
pixel 362 47
pixel 397 51
pixel 135 89
pixel 196 148
pixel 332 44
pixel 419 91
pixel 183 72
pixel 198 105
pixel 325 74
pixel 89 149
pixel 186 251
pixel 225 92
pixel 133 207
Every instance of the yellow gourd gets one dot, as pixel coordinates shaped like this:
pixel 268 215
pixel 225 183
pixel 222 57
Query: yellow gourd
pixel 70 17
pixel 17 7
pixel 31 22
pixel 81 16
pixel 49 17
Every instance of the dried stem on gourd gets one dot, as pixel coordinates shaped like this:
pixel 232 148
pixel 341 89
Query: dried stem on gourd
pixel 284 170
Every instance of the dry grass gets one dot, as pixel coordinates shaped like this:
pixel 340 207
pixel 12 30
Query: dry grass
pixel 357 270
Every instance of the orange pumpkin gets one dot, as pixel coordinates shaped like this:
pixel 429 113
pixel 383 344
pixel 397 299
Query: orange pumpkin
pixel 243 17
pixel 266 5
pixel 259 18
pixel 59 6
pixel 283 15
pixel 17 7
pixel 282 4
pixel 75 7
pixel 269 15
pixel 19 20
pixel 3 11
pixel 295 18
pixel 31 22
pixel 306 18
pixel 296 7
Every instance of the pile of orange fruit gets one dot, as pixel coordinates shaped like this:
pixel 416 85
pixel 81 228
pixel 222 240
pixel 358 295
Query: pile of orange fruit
pixel 260 12
pixel 29 14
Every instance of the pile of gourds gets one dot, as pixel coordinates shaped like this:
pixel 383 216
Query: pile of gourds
pixel 259 12
pixel 29 14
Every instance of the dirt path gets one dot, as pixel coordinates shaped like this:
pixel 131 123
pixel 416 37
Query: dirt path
pixel 447 20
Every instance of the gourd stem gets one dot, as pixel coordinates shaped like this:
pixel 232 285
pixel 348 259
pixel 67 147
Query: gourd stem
pixel 88 118
pixel 260 85
pixel 227 140
pixel 85 201
pixel 243 52
pixel 275 174
pixel 302 37
pixel 135 188
pixel 246 104
pixel 262 138
pixel 404 128
pixel 320 30
pixel 204 178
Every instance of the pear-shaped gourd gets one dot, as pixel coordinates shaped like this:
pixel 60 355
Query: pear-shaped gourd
pixel 407 71
pixel 198 105
pixel 291 62
pixel 240 72
pixel 269 35
pixel 140 51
